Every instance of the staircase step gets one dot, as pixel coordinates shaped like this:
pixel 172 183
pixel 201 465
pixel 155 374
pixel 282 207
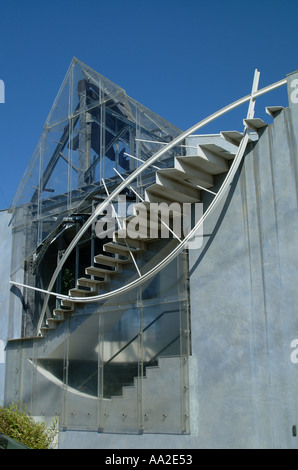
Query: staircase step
pixel 173 181
pixel 81 293
pixel 131 242
pixel 144 224
pixel 67 303
pixel 140 236
pixel 234 137
pixel 215 143
pixel 255 124
pixel 53 322
pixel 45 330
pixel 143 219
pixel 99 272
pixel 110 260
pixel 112 247
pixel 83 281
pixel 274 110
pixel 219 150
pixel 159 193
pixel 60 312
pixel 185 170
pixel 211 161
pixel 155 213
pixel 143 211
pixel 146 230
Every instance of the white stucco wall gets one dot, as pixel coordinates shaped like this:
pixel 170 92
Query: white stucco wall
pixel 5 251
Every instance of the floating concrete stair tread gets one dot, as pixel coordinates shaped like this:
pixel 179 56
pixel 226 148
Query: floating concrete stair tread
pixel 159 193
pixel 136 242
pixel 255 123
pixel 110 260
pixel 67 303
pixel 119 249
pixel 81 293
pixel 62 311
pixel 145 215
pixel 53 322
pixel 83 281
pixel 198 161
pixel 209 161
pixel 94 271
pixel 210 155
pixel 155 211
pixel 187 171
pixel 144 223
pixel 172 185
pixel 45 329
pixel 131 242
pixel 234 137
pixel 178 180
pixel 214 140
pixel 139 208
pixel 147 230
pixel 220 151
pixel 274 110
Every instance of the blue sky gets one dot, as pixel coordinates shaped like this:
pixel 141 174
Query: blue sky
pixel 184 59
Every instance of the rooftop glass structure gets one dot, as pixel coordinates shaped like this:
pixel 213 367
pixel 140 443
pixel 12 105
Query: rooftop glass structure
pixel 93 128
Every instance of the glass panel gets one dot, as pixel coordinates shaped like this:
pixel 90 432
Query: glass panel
pixel 121 353
pixel 13 368
pixel 91 129
pixel 47 375
pixel 118 368
pixel 95 360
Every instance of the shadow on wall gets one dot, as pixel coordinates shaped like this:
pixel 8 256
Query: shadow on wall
pixel 220 218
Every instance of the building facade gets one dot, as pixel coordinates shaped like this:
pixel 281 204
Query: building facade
pixel 152 292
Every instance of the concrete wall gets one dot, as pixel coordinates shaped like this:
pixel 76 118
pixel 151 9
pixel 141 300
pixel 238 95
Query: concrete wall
pixel 5 250
pixel 244 301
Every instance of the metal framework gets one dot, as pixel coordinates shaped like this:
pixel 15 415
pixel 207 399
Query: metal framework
pixel 133 176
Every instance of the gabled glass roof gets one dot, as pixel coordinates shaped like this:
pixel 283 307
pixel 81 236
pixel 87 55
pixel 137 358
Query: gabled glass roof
pixel 93 127
pixel 92 122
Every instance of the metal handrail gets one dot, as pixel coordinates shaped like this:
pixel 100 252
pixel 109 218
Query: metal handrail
pixel 132 340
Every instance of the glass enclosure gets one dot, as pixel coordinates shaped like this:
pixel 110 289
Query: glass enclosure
pixel 118 365
pixel 93 129
pixel 94 136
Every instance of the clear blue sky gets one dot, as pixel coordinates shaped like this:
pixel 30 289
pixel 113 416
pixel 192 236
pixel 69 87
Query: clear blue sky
pixel 184 59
